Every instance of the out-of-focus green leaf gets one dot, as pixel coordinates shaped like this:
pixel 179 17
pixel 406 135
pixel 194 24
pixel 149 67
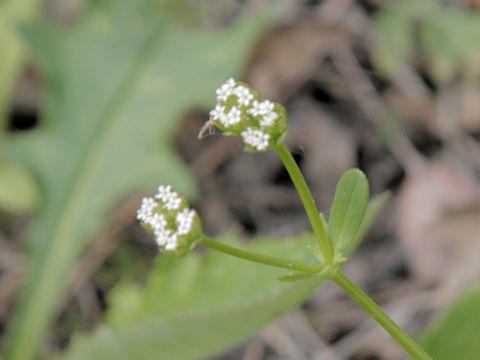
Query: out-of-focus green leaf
pixel 457 334
pixel 450 39
pixel 12 57
pixel 396 42
pixel 18 191
pixel 348 209
pixel 198 305
pixel 17 188
pixel 117 82
pixel 292 277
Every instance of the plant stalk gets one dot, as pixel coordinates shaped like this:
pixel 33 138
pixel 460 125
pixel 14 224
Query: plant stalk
pixel 380 316
pixel 259 258
pixel 307 200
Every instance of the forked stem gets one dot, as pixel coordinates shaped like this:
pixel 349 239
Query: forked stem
pixel 338 276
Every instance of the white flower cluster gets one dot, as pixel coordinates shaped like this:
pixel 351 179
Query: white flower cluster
pixel 240 111
pixel 167 216
pixel 255 138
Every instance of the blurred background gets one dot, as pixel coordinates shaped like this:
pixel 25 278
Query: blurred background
pixel 101 101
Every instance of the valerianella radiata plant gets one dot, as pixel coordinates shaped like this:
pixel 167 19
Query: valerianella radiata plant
pixel 262 125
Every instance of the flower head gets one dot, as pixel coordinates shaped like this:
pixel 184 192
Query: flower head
pixel 167 215
pixel 240 111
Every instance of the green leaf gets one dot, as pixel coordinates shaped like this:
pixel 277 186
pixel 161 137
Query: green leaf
pixel 13 54
pixel 457 334
pixel 117 83
pixel 450 40
pixel 324 222
pixel 18 191
pixel 375 205
pixel 396 40
pixel 348 209
pixel 296 276
pixel 196 306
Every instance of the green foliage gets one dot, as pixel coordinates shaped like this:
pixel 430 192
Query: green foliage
pixel 12 14
pixel 297 276
pixel 447 36
pixel 457 334
pixel 195 306
pixel 18 193
pixel 18 190
pixel 348 210
pixel 116 84
pixel 375 205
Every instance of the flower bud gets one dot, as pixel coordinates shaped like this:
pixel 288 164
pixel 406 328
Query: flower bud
pixel 241 111
pixel 167 215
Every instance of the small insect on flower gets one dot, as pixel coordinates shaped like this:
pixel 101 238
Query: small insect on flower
pixel 241 111
pixel 167 215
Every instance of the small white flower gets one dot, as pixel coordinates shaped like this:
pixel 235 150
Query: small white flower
pixel 234 116
pixel 157 222
pixel 218 113
pixel 172 242
pixel 244 95
pixel 226 90
pixel 256 138
pixel 173 202
pixel 164 192
pixel 163 237
pixel 184 221
pixel 261 108
pixel 169 198
pixel 144 213
pixel 269 119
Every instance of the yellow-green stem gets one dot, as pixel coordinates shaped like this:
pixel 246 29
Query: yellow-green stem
pixel 307 200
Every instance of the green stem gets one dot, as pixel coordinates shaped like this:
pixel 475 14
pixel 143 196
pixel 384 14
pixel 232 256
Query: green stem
pixel 307 200
pixel 380 316
pixel 259 258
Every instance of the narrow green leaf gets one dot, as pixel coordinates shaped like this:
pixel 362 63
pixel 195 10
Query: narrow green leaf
pixel 375 205
pixel 196 306
pixel 348 209
pixel 324 222
pixel 457 334
pixel 117 84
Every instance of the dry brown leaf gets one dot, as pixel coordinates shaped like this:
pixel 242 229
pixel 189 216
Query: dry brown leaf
pixel 329 149
pixel 438 219
pixel 288 57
